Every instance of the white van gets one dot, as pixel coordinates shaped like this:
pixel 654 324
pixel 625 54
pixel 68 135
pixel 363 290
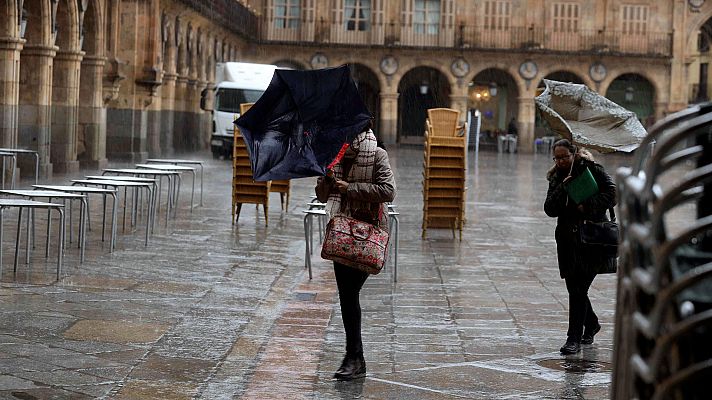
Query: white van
pixel 236 83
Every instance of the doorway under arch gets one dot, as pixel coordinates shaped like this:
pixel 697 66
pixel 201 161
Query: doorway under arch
pixel 494 93
pixel 420 88
pixel 635 93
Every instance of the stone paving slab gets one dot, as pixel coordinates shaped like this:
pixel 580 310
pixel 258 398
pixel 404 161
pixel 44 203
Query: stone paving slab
pixel 211 310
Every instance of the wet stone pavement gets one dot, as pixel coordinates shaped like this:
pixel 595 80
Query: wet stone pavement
pixel 214 311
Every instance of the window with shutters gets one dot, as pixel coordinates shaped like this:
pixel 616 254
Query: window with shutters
pixel 497 15
pixel 635 19
pixel 426 16
pixel 565 17
pixel 286 14
pixel 357 15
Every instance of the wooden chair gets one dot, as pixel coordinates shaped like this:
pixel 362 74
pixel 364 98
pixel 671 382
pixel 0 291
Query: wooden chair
pixel 244 188
pixel 442 127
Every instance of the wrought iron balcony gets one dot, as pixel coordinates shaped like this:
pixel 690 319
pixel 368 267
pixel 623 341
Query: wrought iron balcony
pixel 230 14
pixel 530 39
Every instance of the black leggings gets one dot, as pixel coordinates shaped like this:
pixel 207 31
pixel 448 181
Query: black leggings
pixel 349 281
pixel 580 311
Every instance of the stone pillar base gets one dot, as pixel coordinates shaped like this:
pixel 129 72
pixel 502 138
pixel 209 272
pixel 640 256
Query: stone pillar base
pixel 68 167
pixel 135 157
pixel 95 164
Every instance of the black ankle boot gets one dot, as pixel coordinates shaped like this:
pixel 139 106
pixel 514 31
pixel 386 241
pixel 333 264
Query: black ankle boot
pixel 570 347
pixel 353 367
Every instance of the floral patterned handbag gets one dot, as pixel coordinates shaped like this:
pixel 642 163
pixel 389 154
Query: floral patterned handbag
pixel 355 243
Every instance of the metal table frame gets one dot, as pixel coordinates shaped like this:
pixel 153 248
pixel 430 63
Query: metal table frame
pixel 117 184
pixel 25 151
pixel 54 194
pixel 157 175
pixel 175 168
pixel 92 190
pixel 21 204
pixel 179 162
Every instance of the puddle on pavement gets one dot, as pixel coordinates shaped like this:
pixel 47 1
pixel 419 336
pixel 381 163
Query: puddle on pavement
pixel 576 366
pixel 305 296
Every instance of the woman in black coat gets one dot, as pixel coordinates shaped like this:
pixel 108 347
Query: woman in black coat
pixel 577 266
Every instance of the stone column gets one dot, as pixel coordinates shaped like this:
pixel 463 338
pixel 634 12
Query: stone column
pixel 65 110
pixel 91 134
pixel 459 102
pixel 389 117
pixel 205 125
pixel 153 126
pixel 9 89
pixel 525 120
pixel 180 139
pixel 192 105
pixel 168 94
pixel 34 130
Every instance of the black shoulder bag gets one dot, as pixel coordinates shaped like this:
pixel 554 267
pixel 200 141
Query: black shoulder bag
pixel 601 236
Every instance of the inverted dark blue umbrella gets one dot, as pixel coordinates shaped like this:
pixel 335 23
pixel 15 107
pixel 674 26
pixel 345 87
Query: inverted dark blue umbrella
pixel 300 123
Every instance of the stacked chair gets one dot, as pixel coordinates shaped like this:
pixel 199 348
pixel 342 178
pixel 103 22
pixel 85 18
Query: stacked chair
pixel 283 188
pixel 244 188
pixel 664 305
pixel 444 171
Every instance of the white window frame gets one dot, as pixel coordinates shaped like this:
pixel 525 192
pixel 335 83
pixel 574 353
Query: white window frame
pixel 566 17
pixel 634 19
pixel 428 9
pixel 497 14
pixel 292 14
pixel 357 13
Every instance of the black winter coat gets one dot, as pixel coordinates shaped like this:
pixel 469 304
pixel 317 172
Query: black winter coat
pixel 573 257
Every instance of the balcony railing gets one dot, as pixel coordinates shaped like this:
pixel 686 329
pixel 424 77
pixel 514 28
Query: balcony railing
pixel 230 14
pixel 652 44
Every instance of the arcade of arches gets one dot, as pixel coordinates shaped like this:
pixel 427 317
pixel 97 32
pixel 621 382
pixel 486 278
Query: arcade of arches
pixel 84 81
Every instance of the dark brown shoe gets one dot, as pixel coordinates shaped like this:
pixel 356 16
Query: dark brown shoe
pixel 353 367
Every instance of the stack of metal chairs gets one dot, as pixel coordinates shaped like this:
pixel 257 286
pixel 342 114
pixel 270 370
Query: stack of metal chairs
pixel 663 335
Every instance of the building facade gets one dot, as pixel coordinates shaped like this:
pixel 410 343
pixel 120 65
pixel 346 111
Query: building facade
pixel 83 81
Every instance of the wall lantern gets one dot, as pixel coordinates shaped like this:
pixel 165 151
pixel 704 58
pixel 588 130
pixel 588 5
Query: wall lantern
pixel 629 94
pixel 424 88
pixel 492 89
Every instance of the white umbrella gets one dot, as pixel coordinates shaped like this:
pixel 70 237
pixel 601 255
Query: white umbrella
pixel 585 117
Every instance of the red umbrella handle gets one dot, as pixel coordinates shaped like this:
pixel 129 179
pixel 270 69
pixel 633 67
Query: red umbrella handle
pixel 339 156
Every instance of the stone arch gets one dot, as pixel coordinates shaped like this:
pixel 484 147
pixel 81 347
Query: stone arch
pixel 562 75
pixel 420 88
pixel 11 45
pixel 369 87
pixel 657 87
pixel 35 89
pixel 192 51
pixel 495 93
pixel 91 130
pixel 93 34
pixel 442 69
pixel 65 88
pixel 9 21
pixel 288 63
pixel 696 21
pixel 39 22
pixel 67 24
pixel 636 93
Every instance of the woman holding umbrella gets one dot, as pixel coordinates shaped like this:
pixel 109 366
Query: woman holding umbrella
pixel 358 186
pixel 577 266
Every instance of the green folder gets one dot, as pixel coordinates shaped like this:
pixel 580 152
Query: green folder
pixel 582 187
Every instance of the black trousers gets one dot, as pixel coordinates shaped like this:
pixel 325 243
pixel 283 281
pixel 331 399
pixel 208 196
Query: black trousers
pixel 350 281
pixel 581 313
